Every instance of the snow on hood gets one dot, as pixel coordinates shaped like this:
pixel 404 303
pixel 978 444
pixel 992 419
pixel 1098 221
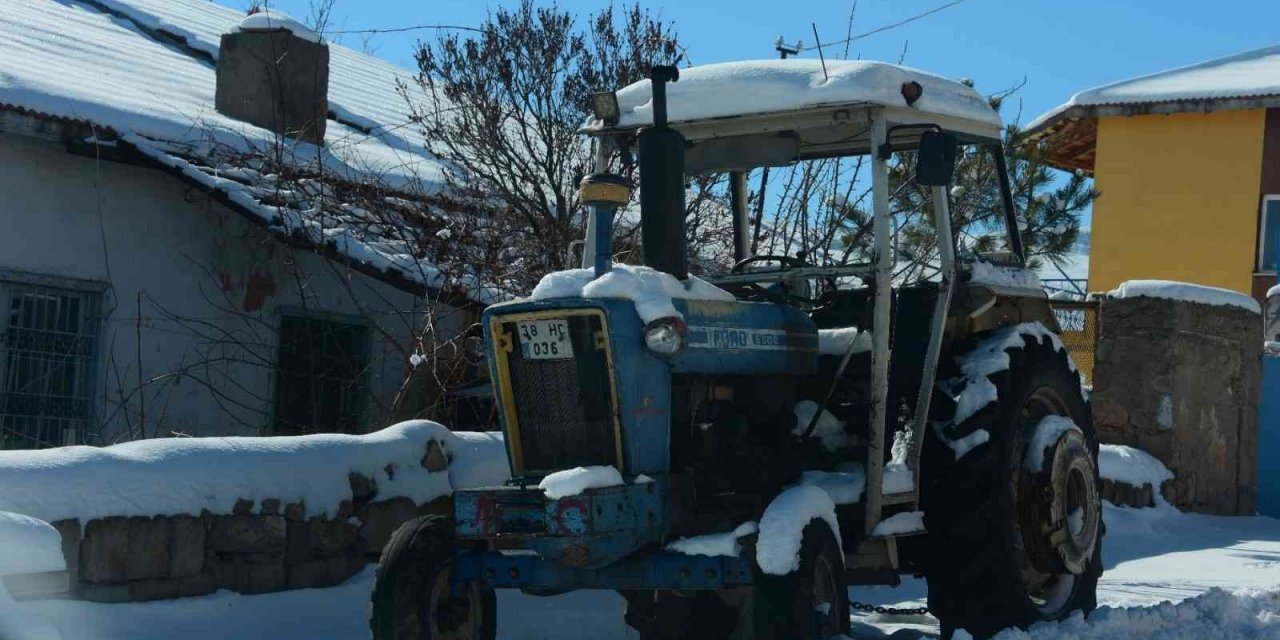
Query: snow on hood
pixel 1185 292
pixel 762 86
pixel 651 290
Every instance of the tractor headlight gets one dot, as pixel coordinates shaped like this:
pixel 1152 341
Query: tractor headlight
pixel 665 336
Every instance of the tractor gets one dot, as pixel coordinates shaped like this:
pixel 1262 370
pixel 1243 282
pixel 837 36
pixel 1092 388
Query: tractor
pixel 785 430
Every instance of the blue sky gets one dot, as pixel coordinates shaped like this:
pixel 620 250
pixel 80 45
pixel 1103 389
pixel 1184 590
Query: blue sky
pixel 1058 47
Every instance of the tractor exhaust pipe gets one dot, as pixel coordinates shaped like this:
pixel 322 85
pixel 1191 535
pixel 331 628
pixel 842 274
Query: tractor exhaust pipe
pixel 662 214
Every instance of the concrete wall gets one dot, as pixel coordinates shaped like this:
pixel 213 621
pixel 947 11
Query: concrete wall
pixel 202 287
pixel 1179 199
pixel 1182 381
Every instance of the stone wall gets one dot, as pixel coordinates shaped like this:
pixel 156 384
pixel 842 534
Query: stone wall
pixel 1123 494
pixel 1181 381
pixel 258 548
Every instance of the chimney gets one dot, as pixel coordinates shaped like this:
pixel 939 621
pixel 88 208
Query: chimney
pixel 273 72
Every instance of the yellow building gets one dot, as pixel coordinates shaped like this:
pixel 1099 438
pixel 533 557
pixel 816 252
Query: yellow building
pixel 1187 165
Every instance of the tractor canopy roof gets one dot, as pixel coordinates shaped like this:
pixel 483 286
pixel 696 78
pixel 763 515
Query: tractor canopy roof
pixel 822 112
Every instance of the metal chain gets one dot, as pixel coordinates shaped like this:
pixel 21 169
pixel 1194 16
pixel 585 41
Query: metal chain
pixel 889 611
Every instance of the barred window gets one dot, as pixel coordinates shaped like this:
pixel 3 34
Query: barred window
pixel 48 347
pixel 320 377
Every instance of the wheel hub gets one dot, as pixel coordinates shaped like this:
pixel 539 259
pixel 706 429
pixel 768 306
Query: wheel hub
pixel 1065 515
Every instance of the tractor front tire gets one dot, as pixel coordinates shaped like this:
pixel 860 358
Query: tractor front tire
pixel 1009 545
pixel 810 602
pixel 413 597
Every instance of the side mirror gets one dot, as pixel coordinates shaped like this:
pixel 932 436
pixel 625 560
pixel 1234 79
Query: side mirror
pixel 936 159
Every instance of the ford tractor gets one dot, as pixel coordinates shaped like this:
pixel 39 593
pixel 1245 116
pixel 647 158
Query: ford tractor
pixel 732 453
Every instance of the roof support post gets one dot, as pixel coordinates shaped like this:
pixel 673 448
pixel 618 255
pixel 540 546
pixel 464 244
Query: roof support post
pixel 941 307
pixel 741 223
pixel 882 228
pixel 1006 198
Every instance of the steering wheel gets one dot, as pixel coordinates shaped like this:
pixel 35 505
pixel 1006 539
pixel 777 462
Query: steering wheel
pixel 783 297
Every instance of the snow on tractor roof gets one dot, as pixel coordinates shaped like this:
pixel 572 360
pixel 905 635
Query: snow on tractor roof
pixel 774 86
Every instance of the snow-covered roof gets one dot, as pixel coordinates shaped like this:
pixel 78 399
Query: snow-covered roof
pixel 139 74
pixel 1252 74
pixel 770 86
pixel 1249 80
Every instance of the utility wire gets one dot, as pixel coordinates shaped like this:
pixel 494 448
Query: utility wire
pixel 887 27
pixel 413 28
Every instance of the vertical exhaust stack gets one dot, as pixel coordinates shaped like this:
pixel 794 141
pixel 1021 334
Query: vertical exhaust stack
pixel 662 215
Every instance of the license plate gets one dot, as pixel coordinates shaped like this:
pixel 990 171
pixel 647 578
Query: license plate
pixel 545 339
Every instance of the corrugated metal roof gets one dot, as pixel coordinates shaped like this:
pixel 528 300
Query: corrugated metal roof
pixel 1239 77
pixel 74 62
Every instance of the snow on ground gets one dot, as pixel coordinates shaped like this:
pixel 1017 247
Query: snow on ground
pixel 185 475
pixel 28 545
pixel 651 290
pixel 1150 555
pixel 572 482
pixel 1218 614
pixel 1186 292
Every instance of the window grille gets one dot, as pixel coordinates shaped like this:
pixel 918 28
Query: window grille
pixel 321 376
pixel 48 347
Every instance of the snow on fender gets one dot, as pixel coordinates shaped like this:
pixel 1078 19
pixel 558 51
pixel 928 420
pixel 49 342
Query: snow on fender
pixel 783 523
pixel 572 482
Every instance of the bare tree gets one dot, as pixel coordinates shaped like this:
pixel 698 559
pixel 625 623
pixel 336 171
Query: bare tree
pixel 504 108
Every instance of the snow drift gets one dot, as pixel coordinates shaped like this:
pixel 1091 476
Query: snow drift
pixel 186 475
pixel 1218 614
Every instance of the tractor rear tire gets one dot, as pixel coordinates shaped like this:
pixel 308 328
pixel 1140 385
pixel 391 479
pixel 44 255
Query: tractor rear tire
pixel 413 598
pixel 810 602
pixel 999 554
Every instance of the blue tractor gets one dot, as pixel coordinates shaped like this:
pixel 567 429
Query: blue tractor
pixel 733 453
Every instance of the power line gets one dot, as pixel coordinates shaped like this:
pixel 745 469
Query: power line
pixel 890 26
pixel 413 28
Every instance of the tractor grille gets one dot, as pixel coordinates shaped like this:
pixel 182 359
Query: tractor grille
pixel 564 408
